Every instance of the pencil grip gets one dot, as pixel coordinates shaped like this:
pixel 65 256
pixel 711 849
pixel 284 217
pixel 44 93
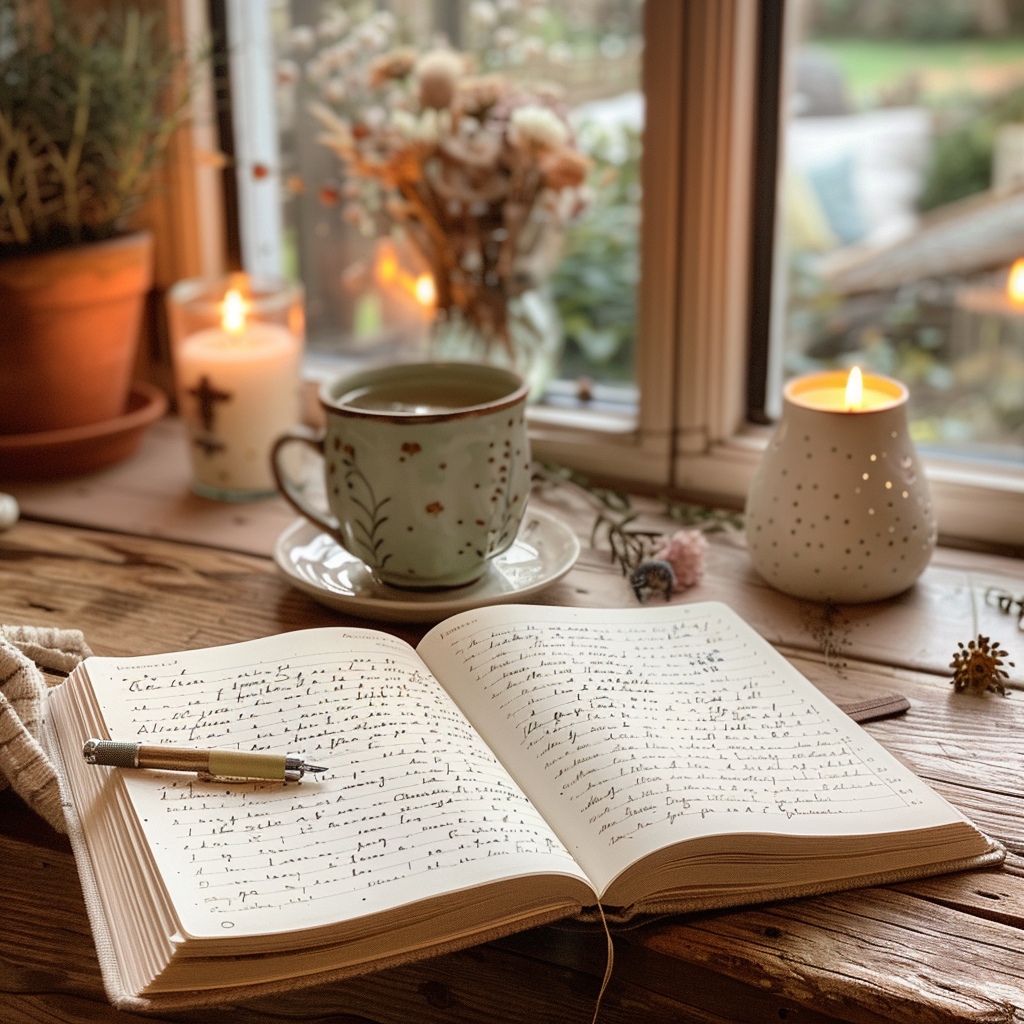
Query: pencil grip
pixel 238 763
pixel 111 752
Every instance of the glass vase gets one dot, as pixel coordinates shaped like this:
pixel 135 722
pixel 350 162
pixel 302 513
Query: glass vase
pixel 532 347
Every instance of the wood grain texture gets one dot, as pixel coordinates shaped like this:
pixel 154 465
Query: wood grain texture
pixel 867 956
pixel 937 950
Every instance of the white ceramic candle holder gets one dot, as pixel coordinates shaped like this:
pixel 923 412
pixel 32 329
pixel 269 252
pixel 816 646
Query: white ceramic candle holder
pixel 839 508
pixel 237 348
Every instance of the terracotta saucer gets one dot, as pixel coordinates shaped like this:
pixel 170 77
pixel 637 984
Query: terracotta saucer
pixel 76 450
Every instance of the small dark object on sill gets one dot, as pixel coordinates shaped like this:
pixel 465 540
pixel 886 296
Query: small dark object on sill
pixel 653 576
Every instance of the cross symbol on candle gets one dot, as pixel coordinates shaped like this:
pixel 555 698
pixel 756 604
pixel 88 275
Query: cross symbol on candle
pixel 206 394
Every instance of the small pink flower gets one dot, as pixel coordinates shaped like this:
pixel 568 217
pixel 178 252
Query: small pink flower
pixel 684 551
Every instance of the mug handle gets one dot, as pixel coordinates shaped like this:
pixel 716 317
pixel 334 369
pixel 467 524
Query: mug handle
pixel 290 492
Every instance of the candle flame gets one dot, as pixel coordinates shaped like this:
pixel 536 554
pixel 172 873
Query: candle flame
pixel 1015 282
pixel 425 290
pixel 854 389
pixel 233 312
pixel 387 266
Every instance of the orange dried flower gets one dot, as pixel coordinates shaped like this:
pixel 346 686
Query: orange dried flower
pixel 564 168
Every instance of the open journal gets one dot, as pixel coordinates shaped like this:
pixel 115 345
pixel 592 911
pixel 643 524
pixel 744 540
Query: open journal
pixel 523 764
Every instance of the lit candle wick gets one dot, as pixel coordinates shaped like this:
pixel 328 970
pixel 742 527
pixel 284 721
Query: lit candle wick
pixel 425 290
pixel 854 389
pixel 1015 283
pixel 233 311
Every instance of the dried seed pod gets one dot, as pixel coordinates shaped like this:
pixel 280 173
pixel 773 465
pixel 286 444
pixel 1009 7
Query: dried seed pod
pixel 978 667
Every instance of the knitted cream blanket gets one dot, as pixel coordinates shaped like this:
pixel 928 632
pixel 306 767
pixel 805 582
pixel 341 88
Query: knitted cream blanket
pixel 24 765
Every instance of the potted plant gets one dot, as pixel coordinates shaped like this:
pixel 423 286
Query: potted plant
pixel 86 111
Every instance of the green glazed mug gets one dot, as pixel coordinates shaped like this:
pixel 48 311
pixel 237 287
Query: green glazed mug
pixel 426 467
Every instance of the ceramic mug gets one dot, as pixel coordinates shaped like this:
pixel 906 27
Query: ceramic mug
pixel 426 466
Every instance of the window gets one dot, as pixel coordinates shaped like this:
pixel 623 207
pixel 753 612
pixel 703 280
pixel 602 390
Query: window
pixel 899 216
pixel 699 365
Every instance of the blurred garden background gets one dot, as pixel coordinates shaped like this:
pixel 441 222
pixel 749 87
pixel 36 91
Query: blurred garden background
pixel 902 208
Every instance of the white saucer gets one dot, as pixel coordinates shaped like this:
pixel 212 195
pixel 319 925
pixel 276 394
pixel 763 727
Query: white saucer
pixel 544 551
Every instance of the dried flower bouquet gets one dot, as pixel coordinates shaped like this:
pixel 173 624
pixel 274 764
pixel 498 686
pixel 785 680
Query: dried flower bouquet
pixel 481 172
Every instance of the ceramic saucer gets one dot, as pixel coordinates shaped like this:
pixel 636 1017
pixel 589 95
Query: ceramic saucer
pixel 544 551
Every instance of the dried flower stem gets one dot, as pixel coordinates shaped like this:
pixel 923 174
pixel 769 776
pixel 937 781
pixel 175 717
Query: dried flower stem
pixel 613 523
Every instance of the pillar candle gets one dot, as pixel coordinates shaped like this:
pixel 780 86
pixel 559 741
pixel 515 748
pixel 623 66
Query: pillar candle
pixel 240 390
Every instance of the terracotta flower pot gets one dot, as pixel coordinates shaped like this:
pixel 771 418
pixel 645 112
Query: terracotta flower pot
pixel 69 327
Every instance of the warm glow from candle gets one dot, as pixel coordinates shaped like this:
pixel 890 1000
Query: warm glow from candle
pixel 233 312
pixel 425 291
pixel 387 267
pixel 1015 282
pixel 854 389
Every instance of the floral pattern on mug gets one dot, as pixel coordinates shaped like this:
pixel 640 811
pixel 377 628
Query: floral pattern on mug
pixel 368 525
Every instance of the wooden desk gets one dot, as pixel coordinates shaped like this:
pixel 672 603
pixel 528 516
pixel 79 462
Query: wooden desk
pixel 941 950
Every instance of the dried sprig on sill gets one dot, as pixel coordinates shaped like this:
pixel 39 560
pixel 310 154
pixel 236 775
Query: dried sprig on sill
pixel 703 518
pixel 551 474
pixel 978 667
pixel 627 546
pixel 633 549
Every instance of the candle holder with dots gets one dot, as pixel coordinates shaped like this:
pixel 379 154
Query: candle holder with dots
pixel 839 508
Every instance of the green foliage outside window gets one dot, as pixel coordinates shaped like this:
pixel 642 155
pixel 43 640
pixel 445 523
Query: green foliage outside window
pixel 595 282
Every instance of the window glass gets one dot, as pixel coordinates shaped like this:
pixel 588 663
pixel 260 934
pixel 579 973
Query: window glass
pixel 367 293
pixel 901 201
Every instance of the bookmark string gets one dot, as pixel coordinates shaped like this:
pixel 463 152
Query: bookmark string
pixel 608 967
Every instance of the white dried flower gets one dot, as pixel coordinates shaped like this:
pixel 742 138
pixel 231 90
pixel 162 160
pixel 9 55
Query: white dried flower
pixel 404 123
pixel 437 75
pixel 386 20
pixel 536 126
pixel 371 35
pixel 430 125
pixel 468 126
pixel 483 12
pixel 333 26
pixel 334 90
pixel 301 39
pixel 338 135
pixel 374 117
